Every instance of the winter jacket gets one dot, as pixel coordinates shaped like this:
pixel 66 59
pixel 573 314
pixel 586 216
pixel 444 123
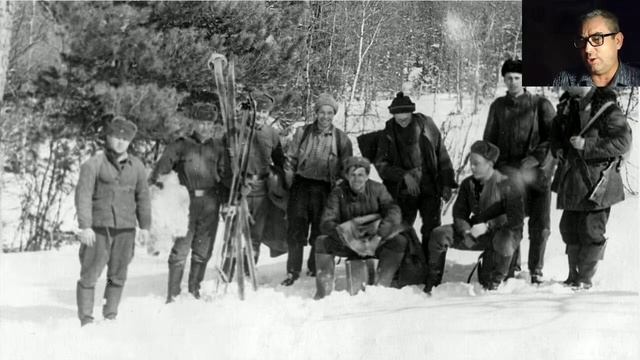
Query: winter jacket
pixel 520 127
pixel 199 163
pixel 579 170
pixel 111 194
pixel 343 204
pixel 497 202
pixel 300 159
pixel 395 157
pixel 265 151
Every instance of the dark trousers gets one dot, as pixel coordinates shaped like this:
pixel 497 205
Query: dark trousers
pixel 584 227
pixel 258 202
pixel 538 207
pixel 113 248
pixel 201 234
pixel 307 199
pixel 429 207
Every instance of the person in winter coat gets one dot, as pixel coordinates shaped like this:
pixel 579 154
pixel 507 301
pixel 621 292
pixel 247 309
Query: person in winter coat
pixel 314 165
pixel 519 123
pixel 199 162
pixel 414 165
pixel 350 200
pixel 588 180
pixel 264 155
pixel 487 215
pixel 112 197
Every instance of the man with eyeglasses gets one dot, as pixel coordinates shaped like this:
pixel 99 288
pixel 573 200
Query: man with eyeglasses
pixel 599 41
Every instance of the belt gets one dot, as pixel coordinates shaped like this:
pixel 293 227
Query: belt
pixel 256 176
pixel 201 192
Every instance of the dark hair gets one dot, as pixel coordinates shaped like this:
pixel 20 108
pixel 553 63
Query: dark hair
pixel 609 17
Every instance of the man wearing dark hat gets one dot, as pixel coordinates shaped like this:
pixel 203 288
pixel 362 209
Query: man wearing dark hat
pixel 314 165
pixel 414 165
pixel 487 215
pixel 112 197
pixel 519 123
pixel 590 136
pixel 200 164
pixel 355 200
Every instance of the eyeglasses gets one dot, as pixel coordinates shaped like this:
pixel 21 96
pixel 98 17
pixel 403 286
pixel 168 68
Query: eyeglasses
pixel 595 40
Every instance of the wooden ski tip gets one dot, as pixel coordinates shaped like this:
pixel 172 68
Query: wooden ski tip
pixel 214 57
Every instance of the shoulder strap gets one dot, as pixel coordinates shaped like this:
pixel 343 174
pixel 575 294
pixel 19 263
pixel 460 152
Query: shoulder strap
pixel 595 117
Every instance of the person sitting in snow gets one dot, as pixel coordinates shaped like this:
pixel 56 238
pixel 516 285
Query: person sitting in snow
pixel 488 215
pixel 368 209
pixel 587 180
pixel 112 193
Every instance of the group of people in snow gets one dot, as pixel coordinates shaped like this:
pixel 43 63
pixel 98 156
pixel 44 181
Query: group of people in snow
pixel 333 206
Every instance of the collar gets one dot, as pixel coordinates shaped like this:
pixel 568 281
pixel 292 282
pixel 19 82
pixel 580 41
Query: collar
pixel 625 76
pixel 317 131
pixel 113 158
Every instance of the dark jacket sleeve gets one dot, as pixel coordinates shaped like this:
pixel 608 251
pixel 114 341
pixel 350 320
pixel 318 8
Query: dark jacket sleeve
pixel 491 128
pixel 345 151
pixel 167 161
pixel 445 167
pixel 545 114
pixel 389 210
pixel 615 141
pixel 462 209
pixel 84 193
pixel 388 171
pixel 331 215
pixel 143 198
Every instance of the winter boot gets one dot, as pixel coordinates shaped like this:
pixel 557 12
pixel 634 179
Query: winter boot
pixel 84 299
pixel 588 258
pixel 572 256
pixel 175 278
pixel 515 267
pixel 357 275
pixel 435 270
pixel 500 269
pixel 324 277
pixel 196 275
pixel 112 295
pixel 291 278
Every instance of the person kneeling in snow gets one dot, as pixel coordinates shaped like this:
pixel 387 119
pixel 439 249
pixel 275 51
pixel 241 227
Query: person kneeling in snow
pixel 111 194
pixel 487 215
pixel 360 220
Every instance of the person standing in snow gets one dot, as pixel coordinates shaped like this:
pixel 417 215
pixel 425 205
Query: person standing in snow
pixel 351 200
pixel 488 215
pixel 589 136
pixel 198 159
pixel 313 166
pixel 265 157
pixel 111 194
pixel 519 123
pixel 414 165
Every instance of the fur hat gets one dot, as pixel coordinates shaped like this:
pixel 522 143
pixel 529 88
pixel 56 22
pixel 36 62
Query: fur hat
pixel 358 162
pixel 121 128
pixel 402 104
pixel 326 99
pixel 514 66
pixel 486 150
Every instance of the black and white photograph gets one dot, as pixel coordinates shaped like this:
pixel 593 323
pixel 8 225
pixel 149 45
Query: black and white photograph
pixel 359 179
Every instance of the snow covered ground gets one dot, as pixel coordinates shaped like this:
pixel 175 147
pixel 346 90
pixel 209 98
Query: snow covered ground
pixel 460 321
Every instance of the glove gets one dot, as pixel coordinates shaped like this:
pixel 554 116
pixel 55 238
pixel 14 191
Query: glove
pixel 87 237
pixel 577 142
pixel 413 187
pixel 446 193
pixel 529 162
pixel 478 230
